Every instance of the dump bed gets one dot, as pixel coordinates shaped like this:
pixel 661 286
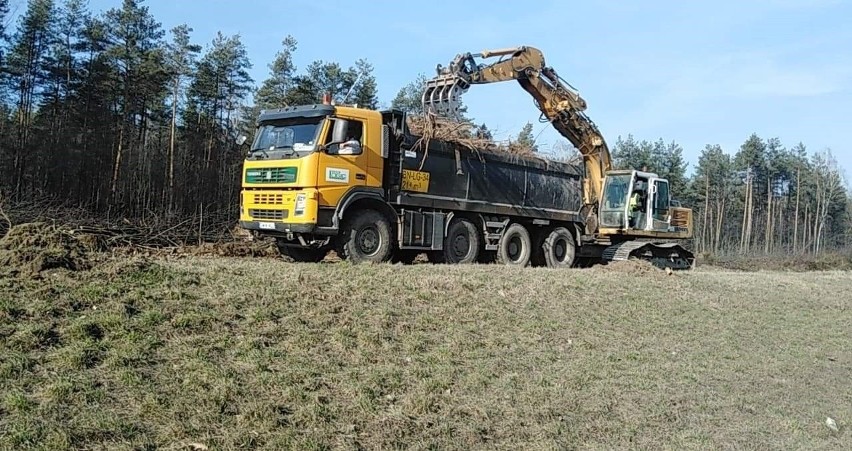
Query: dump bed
pixel 454 177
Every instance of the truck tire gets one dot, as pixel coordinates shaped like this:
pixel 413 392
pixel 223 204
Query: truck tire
pixel 462 243
pixel 303 255
pixel 559 249
pixel 366 238
pixel 515 246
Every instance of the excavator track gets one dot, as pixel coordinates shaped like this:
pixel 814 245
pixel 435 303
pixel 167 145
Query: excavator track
pixel 661 255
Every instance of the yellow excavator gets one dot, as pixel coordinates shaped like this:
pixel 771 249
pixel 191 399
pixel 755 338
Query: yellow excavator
pixel 628 214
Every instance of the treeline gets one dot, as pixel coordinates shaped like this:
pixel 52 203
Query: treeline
pixel 764 198
pixel 112 114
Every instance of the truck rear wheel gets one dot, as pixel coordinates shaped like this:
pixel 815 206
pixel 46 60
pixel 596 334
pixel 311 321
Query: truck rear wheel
pixel 367 238
pixel 558 248
pixel 515 246
pixel 461 246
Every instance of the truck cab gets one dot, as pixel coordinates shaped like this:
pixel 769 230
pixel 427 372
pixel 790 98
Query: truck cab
pixel 303 162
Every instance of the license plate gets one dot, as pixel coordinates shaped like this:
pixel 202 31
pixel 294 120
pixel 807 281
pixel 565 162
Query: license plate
pixel 267 225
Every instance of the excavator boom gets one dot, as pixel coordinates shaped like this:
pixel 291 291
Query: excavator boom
pixel 561 105
pixel 558 102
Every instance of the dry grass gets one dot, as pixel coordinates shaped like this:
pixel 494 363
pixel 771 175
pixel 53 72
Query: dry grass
pixel 826 261
pixel 263 354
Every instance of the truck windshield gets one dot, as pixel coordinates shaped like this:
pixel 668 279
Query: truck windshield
pixel 295 135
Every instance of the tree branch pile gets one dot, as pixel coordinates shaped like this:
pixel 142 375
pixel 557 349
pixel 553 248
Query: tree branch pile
pixel 461 133
pixel 152 231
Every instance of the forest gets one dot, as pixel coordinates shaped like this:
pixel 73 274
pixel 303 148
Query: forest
pixel 111 116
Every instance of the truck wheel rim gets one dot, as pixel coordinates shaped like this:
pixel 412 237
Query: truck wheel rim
pixel 461 246
pixel 514 248
pixel 559 250
pixel 368 241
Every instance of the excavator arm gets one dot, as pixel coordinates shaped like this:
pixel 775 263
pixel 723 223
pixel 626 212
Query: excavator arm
pixel 560 104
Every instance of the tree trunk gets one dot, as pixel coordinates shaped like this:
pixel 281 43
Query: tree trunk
pixel 806 234
pixel 117 165
pixel 745 214
pixel 767 232
pixel 815 228
pixel 171 175
pixel 796 215
pixel 721 214
pixel 706 211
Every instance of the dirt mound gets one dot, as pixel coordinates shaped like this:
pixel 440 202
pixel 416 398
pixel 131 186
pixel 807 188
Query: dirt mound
pixel 634 267
pixel 235 249
pixel 29 249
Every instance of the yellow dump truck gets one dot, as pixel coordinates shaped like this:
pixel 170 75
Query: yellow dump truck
pixel 322 177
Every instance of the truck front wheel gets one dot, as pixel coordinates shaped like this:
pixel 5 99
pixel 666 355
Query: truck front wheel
pixel 367 238
pixel 515 246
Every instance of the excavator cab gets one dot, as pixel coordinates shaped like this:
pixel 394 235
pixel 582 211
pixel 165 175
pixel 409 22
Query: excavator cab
pixel 635 200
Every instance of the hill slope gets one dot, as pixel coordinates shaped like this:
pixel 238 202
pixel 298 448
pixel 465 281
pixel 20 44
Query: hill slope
pixel 263 354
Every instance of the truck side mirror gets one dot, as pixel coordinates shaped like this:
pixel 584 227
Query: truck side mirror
pixel 340 130
pixel 241 140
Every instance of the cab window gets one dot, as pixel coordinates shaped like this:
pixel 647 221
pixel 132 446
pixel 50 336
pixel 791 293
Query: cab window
pixel 661 201
pixel 352 143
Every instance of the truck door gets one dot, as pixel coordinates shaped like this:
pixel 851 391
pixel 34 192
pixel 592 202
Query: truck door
pixel 660 205
pixel 344 164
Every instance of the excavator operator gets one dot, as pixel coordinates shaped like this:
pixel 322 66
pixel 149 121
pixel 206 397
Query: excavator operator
pixel 637 205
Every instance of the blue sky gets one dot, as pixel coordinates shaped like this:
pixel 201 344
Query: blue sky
pixel 692 72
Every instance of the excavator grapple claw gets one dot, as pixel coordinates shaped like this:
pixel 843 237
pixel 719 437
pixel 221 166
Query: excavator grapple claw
pixel 442 94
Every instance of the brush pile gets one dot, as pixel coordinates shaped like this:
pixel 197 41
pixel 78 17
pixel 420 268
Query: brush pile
pixel 464 134
pixel 29 249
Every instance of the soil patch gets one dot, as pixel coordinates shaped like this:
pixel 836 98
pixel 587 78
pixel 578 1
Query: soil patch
pixel 29 249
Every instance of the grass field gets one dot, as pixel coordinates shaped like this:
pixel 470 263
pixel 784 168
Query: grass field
pixel 241 353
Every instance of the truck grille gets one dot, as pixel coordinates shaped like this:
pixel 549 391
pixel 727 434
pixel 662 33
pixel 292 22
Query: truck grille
pixel 271 175
pixel 269 199
pixel 267 214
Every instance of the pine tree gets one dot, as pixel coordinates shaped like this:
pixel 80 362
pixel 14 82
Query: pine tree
pixel 4 12
pixel 526 139
pixel 714 175
pixel 364 91
pixel 631 154
pixel 273 91
pixel 27 66
pixel 409 97
pixel 674 167
pixel 214 105
pixel 61 82
pixel 355 84
pixel 180 60
pixel 136 52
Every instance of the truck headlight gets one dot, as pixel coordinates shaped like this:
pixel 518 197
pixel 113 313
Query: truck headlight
pixel 300 204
